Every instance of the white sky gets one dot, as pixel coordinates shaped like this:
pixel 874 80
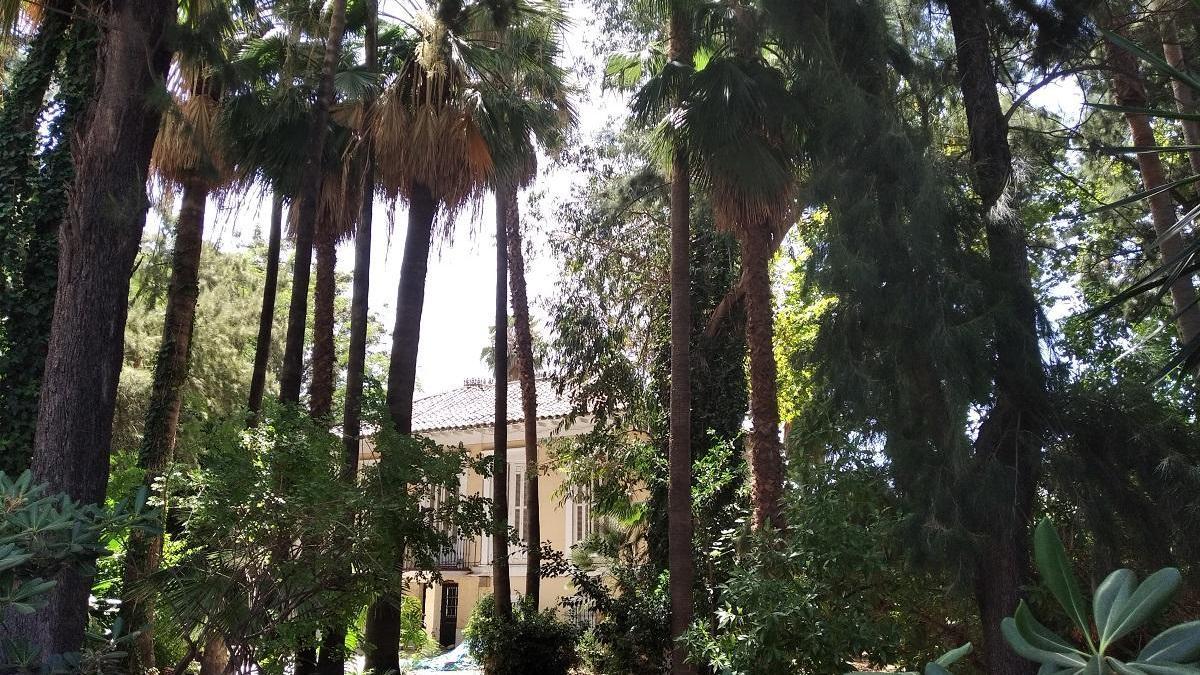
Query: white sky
pixel 460 288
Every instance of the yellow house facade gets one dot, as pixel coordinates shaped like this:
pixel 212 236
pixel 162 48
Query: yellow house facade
pixel 466 416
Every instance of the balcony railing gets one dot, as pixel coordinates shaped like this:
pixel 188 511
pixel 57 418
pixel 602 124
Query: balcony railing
pixel 461 554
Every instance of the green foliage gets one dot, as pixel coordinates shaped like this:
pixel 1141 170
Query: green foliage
pixel 1120 606
pixel 832 590
pixel 414 639
pixel 534 642
pixel 41 536
pixel 631 635
pixel 275 544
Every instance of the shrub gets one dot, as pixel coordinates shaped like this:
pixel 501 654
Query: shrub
pixel 535 642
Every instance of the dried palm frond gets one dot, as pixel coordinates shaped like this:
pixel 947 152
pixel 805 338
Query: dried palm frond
pixel 188 146
pixel 429 139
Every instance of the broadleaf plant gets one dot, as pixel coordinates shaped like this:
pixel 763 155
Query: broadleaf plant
pixel 1120 606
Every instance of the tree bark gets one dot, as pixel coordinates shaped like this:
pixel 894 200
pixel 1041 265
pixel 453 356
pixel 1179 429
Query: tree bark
pixel 1185 96
pixel 144 552
pixel 383 616
pixel 320 387
pixel 505 198
pixel 527 373
pixel 214 660
pixel 766 450
pixel 29 240
pixel 679 446
pixel 1012 433
pixel 1130 90
pixel 98 240
pixel 306 215
pixel 266 319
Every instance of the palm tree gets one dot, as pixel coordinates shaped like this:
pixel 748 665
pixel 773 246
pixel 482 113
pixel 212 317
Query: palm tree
pixel 428 151
pixel 737 123
pixel 186 154
pixel 307 208
pixel 530 108
pixel 100 237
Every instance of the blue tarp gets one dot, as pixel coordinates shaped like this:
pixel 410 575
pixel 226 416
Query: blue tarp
pixel 457 659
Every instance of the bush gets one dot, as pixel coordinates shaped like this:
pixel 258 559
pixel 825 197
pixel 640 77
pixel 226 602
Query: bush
pixel 535 642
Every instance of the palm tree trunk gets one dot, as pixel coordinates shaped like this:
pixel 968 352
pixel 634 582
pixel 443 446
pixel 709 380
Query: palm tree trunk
pixel 333 648
pixel 320 387
pixel 1185 96
pixel 98 241
pixel 306 205
pixel 1130 90
pixel 144 551
pixel 1012 434
pixel 766 451
pixel 679 446
pixel 214 660
pixel 506 197
pixel 527 373
pixel 383 616
pixel 266 319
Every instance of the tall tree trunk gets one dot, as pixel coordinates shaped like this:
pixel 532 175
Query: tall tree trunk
pixel 144 551
pixel 31 199
pixel 1130 90
pixel 679 447
pixel 306 215
pixel 214 660
pixel 320 387
pixel 266 319
pixel 98 240
pixel 527 372
pixel 383 617
pixel 1185 96
pixel 1012 433
pixel 506 197
pixel 766 450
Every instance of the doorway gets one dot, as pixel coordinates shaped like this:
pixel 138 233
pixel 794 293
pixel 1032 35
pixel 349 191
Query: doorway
pixel 448 626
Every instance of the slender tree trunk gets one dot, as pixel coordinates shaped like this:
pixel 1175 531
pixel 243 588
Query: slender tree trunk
pixel 98 240
pixel 679 453
pixel 527 372
pixel 306 205
pixel 766 450
pixel 1012 433
pixel 383 617
pixel 320 388
pixel 505 198
pixel 144 552
pixel 1130 90
pixel 31 198
pixel 266 319
pixel 1185 96
pixel 333 649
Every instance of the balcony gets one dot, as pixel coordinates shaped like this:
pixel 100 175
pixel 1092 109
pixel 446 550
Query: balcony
pixel 462 554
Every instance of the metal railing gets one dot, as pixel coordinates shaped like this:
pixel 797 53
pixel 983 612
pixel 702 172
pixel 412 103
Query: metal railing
pixel 461 554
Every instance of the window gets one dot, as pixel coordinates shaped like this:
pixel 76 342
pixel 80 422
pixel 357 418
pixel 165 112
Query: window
pixel 582 520
pixel 518 511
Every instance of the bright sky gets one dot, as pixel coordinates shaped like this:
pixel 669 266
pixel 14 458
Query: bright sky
pixel 460 289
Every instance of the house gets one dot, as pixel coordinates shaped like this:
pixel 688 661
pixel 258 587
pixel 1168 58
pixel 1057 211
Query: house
pixel 466 415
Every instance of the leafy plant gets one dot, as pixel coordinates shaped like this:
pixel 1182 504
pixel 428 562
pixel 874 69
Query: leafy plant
pixel 1120 607
pixel 941 665
pixel 534 642
pixel 42 535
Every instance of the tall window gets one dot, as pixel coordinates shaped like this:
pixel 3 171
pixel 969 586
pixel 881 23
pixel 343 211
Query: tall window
pixel 519 512
pixel 583 520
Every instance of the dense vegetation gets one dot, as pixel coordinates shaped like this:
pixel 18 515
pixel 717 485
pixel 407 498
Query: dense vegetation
pixel 863 300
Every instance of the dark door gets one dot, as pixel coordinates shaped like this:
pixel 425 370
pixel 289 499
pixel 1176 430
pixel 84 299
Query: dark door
pixel 449 623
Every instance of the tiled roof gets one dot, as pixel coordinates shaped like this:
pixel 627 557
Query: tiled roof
pixel 474 405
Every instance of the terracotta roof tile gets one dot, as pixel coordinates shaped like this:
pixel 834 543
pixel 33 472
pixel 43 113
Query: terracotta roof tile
pixel 474 405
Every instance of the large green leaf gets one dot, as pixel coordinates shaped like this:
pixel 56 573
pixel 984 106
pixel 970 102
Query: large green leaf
pixel 1143 604
pixel 950 657
pixel 1112 592
pixel 1150 112
pixel 1178 644
pixel 1056 573
pixel 1151 58
pixel 1124 668
pixel 1021 645
pixel 1165 668
pixel 1039 636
